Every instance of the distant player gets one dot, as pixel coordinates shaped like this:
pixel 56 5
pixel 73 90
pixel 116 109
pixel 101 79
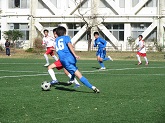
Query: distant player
pixel 57 64
pixel 48 41
pixel 68 57
pixel 101 53
pixel 141 50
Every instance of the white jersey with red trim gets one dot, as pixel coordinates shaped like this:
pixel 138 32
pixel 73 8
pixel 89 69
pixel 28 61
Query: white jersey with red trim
pixel 140 45
pixel 48 41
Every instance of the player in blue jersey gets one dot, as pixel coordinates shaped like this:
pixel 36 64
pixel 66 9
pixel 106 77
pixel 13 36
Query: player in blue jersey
pixel 69 58
pixel 101 53
pixel 57 64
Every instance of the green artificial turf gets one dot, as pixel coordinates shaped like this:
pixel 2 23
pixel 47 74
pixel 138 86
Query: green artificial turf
pixel 129 93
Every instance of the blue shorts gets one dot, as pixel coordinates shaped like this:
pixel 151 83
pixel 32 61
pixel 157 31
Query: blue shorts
pixel 101 53
pixel 69 63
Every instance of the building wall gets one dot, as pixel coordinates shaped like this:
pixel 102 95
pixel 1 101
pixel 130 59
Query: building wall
pixel 116 20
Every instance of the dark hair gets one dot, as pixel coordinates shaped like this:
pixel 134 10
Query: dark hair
pixel 96 33
pixel 54 30
pixel 140 36
pixel 45 30
pixel 61 31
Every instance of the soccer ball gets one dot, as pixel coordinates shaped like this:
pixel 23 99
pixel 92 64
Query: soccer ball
pixel 45 86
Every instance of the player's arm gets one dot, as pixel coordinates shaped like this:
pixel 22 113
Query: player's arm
pixel 72 50
pixel 103 42
pixel 95 44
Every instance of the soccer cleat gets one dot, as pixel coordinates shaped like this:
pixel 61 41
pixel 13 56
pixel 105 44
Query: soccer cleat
pixel 95 90
pixel 70 82
pixel 77 85
pixel 46 65
pixel 147 63
pixel 110 58
pixel 102 68
pixel 53 82
pixel 139 63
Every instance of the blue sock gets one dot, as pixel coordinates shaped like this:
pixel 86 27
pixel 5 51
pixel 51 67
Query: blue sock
pixel 85 82
pixel 101 64
pixel 106 58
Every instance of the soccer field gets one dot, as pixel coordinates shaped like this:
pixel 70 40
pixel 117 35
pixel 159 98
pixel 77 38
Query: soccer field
pixel 128 93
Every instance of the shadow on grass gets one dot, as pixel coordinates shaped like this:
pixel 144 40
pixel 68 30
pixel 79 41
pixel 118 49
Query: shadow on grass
pixel 70 90
pixel 96 67
pixel 64 83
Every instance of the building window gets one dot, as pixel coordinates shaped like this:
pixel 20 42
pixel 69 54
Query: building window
pixel 103 4
pixel 85 4
pixel 73 28
pixel 21 27
pixel 41 4
pixel 122 3
pixel 134 2
pixel 56 3
pixel 139 28
pixel 150 3
pixel 117 30
pixel 19 4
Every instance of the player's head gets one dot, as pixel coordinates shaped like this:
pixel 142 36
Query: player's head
pixel 54 32
pixel 140 37
pixel 96 34
pixel 61 31
pixel 46 32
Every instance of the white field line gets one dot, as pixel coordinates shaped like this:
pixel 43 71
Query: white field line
pixel 22 63
pixel 34 75
pixel 38 63
pixel 129 74
pixel 23 76
pixel 21 71
pixel 121 69
pixel 88 72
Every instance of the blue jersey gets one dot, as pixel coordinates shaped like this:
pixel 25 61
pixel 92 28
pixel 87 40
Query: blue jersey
pixel 101 43
pixel 67 59
pixel 62 46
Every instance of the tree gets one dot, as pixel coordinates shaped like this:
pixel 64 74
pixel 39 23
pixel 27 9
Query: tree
pixel 13 35
pixel 90 21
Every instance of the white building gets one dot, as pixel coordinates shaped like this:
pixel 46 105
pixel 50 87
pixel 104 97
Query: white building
pixel 116 20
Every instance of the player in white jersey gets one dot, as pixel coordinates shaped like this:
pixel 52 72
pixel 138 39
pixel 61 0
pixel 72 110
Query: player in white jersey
pixel 141 50
pixel 49 43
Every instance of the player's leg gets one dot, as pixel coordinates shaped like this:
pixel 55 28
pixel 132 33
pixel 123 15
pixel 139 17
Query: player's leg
pixel 86 82
pixel 139 60
pixel 46 57
pixel 106 58
pixel 72 79
pixel 69 63
pixel 52 73
pixel 100 60
pixel 145 59
pixel 47 60
pixel 53 55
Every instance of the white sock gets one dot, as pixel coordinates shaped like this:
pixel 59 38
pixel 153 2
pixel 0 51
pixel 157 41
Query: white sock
pixel 46 57
pixel 69 75
pixel 138 57
pixel 55 57
pixel 52 74
pixel 146 59
pixel 75 80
